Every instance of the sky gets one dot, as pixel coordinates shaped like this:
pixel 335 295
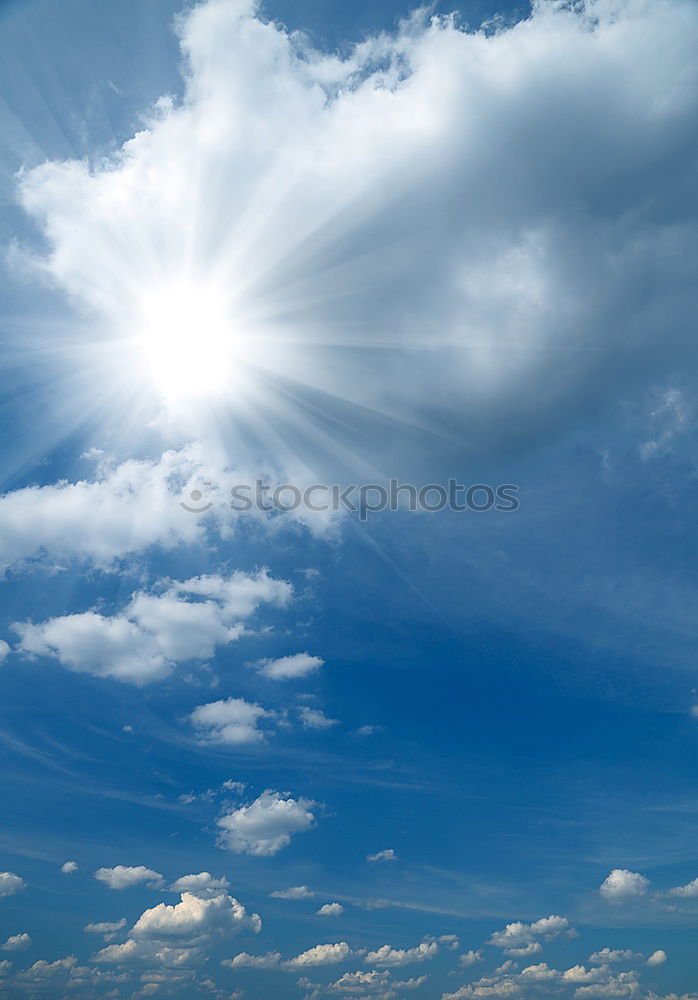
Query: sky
pixel 254 256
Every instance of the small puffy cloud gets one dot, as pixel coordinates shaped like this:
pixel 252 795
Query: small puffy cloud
pixel 266 825
pixel 321 954
pixel 387 957
pixel 269 960
pixel 607 955
pixel 203 884
pixel 124 877
pixel 387 855
pixel 289 667
pixel 233 720
pixel 313 718
pixel 658 957
pixel 540 973
pixel 106 927
pixel 174 623
pixel 11 884
pixel 331 910
pixel 579 974
pixel 4 650
pixel 623 886
pixel 519 939
pixel 69 867
pixel 685 891
pixel 16 942
pixel 294 892
pixel 469 958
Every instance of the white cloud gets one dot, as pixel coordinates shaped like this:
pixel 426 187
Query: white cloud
pixel 294 892
pixel 270 960
pixel 4 650
pixel 10 884
pixel 232 721
pixel 180 935
pixel 69 867
pixel 288 667
pixel 519 939
pixel 313 718
pixel 612 955
pixel 321 954
pixel 387 957
pixel 469 958
pixel 194 915
pixel 579 974
pixel 387 855
pixel 203 884
pixel 623 886
pixel 617 987
pixel 16 942
pixel 106 927
pixel 686 891
pixel 180 621
pixel 482 141
pixel 266 825
pixel 124 877
pixel 331 910
pixel 658 957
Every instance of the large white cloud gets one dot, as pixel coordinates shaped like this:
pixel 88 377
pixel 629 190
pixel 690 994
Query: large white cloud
pixel 181 935
pixel 266 825
pixel 386 957
pixel 498 216
pixel 175 622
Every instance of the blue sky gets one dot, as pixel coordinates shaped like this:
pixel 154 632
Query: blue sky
pixel 303 754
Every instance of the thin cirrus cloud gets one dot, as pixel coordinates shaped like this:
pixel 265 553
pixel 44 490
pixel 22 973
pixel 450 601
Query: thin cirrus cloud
pixel 172 623
pixel 417 187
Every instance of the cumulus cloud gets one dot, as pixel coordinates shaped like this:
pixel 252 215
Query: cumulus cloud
pixel 4 650
pixel 173 623
pixel 386 957
pixel 612 955
pixel 471 957
pixel 387 855
pixel 330 910
pixel 623 886
pixel 294 892
pixel 233 721
pixel 266 825
pixel 658 957
pixel 11 884
pixel 16 942
pixel 179 935
pixel 203 884
pixel 686 891
pixel 519 939
pixel 106 927
pixel 313 718
pixel 289 667
pixel 125 876
pixel 269 960
pixel 69 867
pixel 417 187
pixel 321 954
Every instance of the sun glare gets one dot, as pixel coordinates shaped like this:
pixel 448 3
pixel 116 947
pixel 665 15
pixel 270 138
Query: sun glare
pixel 187 341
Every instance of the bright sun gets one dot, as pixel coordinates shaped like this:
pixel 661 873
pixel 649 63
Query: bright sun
pixel 187 341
